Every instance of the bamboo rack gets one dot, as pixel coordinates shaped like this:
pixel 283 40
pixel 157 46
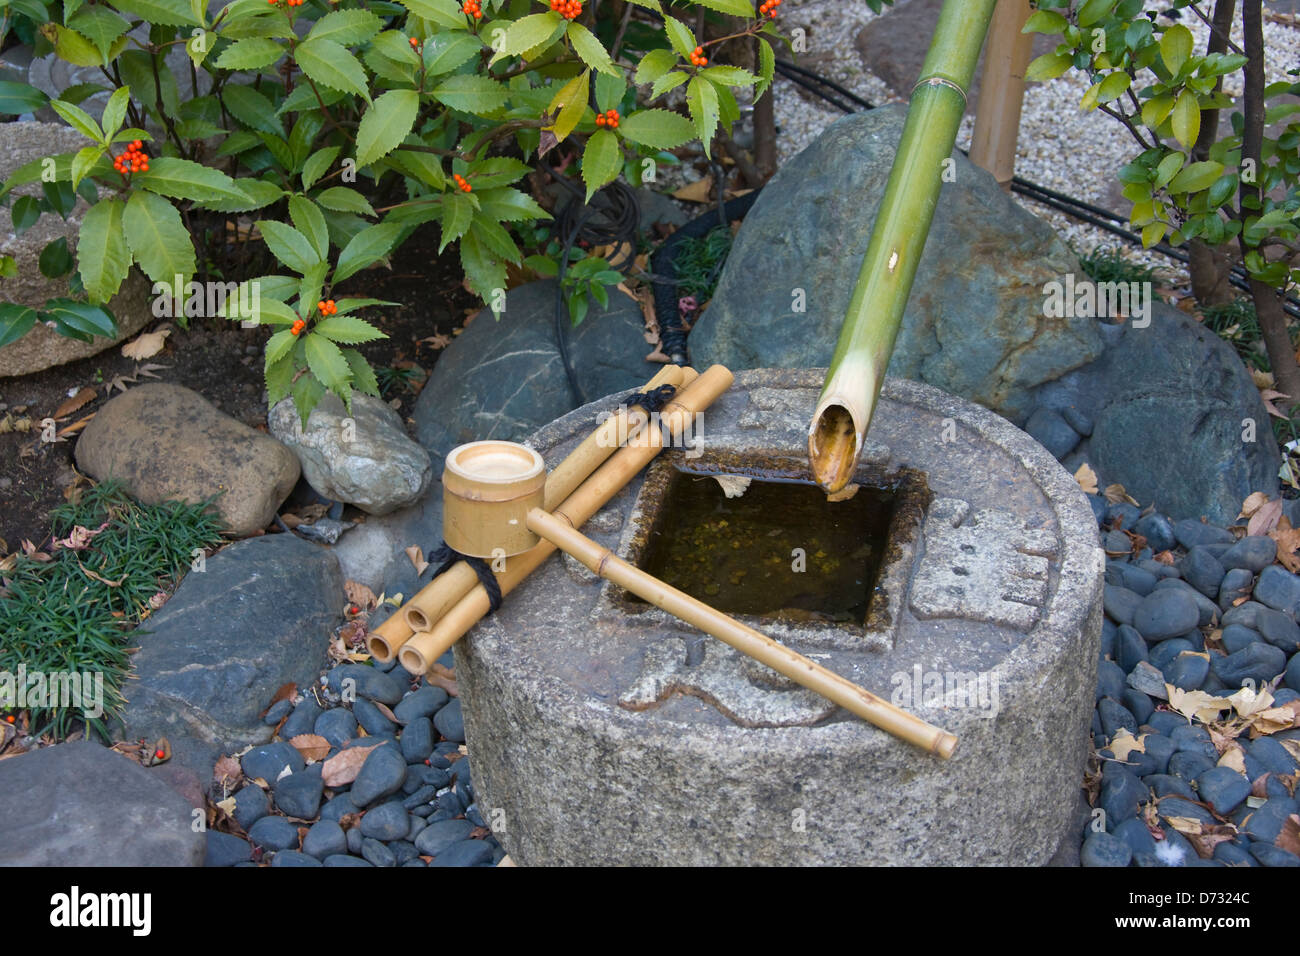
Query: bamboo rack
pixel 857 371
pixel 419 653
pixel 441 594
pixel 745 639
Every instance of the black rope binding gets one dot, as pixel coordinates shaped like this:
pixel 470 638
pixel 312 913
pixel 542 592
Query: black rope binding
pixel 653 400
pixel 445 556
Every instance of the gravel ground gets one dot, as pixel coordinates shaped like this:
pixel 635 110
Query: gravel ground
pixel 1078 157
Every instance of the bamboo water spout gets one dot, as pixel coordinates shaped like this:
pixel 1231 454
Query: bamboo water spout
pixel 848 400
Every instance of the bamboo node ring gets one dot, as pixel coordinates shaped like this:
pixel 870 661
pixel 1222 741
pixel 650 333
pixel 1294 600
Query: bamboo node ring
pixel 940 81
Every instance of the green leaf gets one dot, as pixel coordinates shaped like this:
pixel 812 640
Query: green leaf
pixel 326 361
pixel 1222 189
pixel 347 329
pixel 1196 177
pixel 702 100
pixel 601 160
pixel 25 212
pixel 172 13
pixel 103 257
pixel 84 161
pixel 1048 66
pixel 288 245
pixel 654 65
pixel 496 238
pixel 255 194
pixel 1168 168
pixel 1113 86
pixel 100 25
pixel 485 272
pixel 251 54
pixel 527 32
pixel 510 205
pixel 660 129
pixel 734 8
pixel 497 171
pixel 572 103
pixel 309 221
pixel 1186 118
pixel 278 346
pixel 669 81
pixel 1045 21
pixel 15 321
pixel 332 65
pixel 1153 233
pixel 365 248
pixel 363 377
pixel 591 50
pixel 457 214
pixel 115 111
pixel 680 36
pixel 446 13
pixel 1156 109
pixel 79 120
pixel 185 179
pixel 444 52
pixel 83 319
pixel 309 289
pixel 343 199
pixel 316 165
pixel 471 94
pixel 56 259
pixel 610 91
pixel 423 167
pixel 766 67
pixel 1094 10
pixel 158 239
pixel 17 98
pixel 1175 47
pixel 307 392
pixel 385 124
pixel 303 98
pixel 348 27
pixel 71 46
pixel 251 108
pixel 270 311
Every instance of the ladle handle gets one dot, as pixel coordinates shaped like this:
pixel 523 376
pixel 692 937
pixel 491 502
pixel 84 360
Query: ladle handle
pixel 760 647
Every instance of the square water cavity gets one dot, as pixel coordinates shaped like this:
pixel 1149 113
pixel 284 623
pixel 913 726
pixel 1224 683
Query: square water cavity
pixel 779 556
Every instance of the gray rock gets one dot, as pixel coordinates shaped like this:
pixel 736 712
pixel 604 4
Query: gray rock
pixel 425 702
pixel 336 808
pixel 269 761
pixel 168 442
pixel 1052 431
pixel 1178 807
pixel 251 804
pixel 1114 717
pixel 302 720
pixel 1120 604
pixel 298 795
pixel 1190 533
pixel 225 849
pixel 417 740
pixel 325 838
pixel 1130 576
pixel 337 725
pixel 1123 512
pixel 1237 637
pixel 1189 765
pixel 1252 553
pixel 1136 836
pixel 1275 757
pixel 1236 584
pixel 1292 677
pixel 363 458
pixel 404 851
pixel 383 773
pixel 1194 738
pixel 1105 849
pixel 1165 653
pixel 1188 671
pixel 1077 420
pixel 1230 854
pixel 1158 530
pixel 1138 704
pixel 1279 630
pixel 370 717
pixel 1278 588
pixel 277 713
pixel 388 821
pixel 465 853
pixel 1164 785
pixel 367 682
pixel 354 840
pixel 274 833
pixel 1148 679
pixel 1130 648
pixel 1258 662
pixel 450 723
pixel 437 837
pixel 342 859
pixel 1202 571
pixel 958 331
pixel 1223 789
pixel 1160 749
pixel 1208 611
pixel 1165 613
pixel 504 379
pixel 377 853
pixel 1266 822
pixel 1121 793
pixel 1269 855
pixel 294 858
pixel 230 636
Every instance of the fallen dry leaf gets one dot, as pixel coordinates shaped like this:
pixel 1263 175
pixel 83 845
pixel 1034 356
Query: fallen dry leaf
pixel 386 711
pixel 1254 501
pixel 416 554
pixel 359 594
pixel 226 806
pixel 285 692
pixel 1262 379
pixel 312 746
pixel 227 772
pixel 698 191
pixel 436 341
pixel 147 345
pixel 1292 747
pixel 1234 759
pixel 1115 494
pixel 1087 479
pixel 1247 703
pixel 733 486
pixel 1275 719
pixel 1289 837
pixel 82 397
pixel 1267 396
pixel 1265 518
pixel 344 766
pixel 1288 542
pixel 446 683
pixel 1125 743
pixel 1196 703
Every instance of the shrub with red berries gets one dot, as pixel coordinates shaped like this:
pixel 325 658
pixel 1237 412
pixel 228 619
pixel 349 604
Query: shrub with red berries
pixel 768 8
pixel 473 8
pixel 462 182
pixel 415 44
pixel 134 160
pixel 569 9
pixel 327 307
pixel 287 3
pixel 608 118
pixel 698 58
pixel 298 326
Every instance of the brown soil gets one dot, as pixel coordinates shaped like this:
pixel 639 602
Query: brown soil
pixel 223 363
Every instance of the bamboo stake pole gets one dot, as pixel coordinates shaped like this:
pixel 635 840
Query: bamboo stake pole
pixel 1002 92
pixel 428 604
pixel 848 400
pixel 745 639
pixel 419 653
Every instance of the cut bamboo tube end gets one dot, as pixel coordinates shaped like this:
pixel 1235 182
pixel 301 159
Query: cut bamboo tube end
pixel 803 671
pixel 438 596
pixel 834 444
pixel 384 641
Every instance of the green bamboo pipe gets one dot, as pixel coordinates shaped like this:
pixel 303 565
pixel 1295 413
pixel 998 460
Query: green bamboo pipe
pixel 866 342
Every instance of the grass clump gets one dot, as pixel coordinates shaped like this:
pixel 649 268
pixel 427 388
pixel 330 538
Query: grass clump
pixel 1111 265
pixel 113 563
pixel 699 262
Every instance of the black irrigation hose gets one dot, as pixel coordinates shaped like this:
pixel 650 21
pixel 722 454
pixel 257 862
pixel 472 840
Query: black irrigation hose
pixel 1086 212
